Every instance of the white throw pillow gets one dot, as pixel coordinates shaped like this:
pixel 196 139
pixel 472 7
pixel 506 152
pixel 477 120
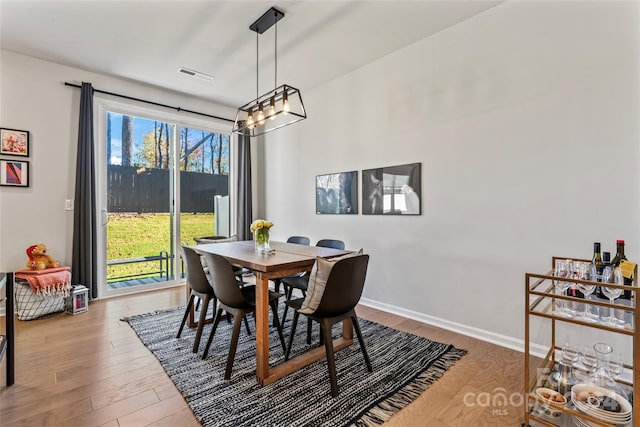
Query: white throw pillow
pixel 318 281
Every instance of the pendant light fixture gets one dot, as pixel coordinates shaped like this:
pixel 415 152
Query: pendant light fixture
pixel 280 106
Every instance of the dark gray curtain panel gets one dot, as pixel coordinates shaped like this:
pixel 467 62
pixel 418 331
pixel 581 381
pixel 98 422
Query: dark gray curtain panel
pixel 245 212
pixel 85 216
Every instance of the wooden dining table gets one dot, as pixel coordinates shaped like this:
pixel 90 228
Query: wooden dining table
pixel 286 259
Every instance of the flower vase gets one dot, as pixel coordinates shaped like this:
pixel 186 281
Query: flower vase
pixel 261 240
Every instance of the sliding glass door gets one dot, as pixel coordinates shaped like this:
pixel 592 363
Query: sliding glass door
pixel 161 180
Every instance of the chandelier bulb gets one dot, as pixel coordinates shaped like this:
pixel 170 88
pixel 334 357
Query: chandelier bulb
pixel 285 102
pixel 250 122
pixel 260 115
pixel 272 108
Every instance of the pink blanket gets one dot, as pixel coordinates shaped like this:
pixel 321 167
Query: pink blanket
pixel 49 282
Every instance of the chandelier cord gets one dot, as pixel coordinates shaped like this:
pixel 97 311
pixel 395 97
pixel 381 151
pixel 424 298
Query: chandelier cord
pixel 257 92
pixel 275 78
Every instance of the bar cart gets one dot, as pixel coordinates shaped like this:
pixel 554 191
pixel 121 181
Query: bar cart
pixel 543 300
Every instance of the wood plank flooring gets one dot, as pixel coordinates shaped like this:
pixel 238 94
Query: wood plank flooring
pixel 92 370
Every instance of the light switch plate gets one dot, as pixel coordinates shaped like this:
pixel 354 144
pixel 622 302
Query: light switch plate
pixel 68 204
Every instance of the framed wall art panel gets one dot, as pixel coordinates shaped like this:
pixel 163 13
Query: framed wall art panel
pixel 14 173
pixel 337 193
pixel 392 190
pixel 14 142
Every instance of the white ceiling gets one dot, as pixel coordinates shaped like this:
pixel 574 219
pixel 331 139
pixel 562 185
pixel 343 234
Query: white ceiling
pixel 147 41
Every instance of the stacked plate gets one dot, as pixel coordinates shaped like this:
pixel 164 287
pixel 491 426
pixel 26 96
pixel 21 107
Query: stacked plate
pixel 602 404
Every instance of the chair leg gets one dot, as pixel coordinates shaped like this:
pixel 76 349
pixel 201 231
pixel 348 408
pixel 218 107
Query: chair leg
pixel 186 314
pixel 287 297
pixel 216 320
pixel 246 325
pixel 331 362
pixel 321 341
pixel 356 326
pixel 276 285
pixel 294 323
pixel 239 279
pixel 309 326
pixel 237 323
pixel 203 317
pixel 276 323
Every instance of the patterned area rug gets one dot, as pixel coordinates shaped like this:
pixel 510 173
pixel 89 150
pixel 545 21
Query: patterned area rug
pixel 404 365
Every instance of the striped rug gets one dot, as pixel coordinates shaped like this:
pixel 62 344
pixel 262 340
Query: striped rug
pixel 404 365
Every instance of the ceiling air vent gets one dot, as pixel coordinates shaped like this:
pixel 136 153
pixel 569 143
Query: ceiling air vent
pixel 196 74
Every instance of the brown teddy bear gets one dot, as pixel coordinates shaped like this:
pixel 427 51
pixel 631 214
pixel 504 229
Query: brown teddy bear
pixel 38 258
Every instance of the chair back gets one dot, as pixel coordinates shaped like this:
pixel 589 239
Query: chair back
pixel 331 243
pixel 344 286
pixel 215 239
pixel 224 281
pixel 299 240
pixel 196 277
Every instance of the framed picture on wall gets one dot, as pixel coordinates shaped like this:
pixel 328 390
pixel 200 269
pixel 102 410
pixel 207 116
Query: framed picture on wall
pixel 392 190
pixel 14 173
pixel 337 193
pixel 14 142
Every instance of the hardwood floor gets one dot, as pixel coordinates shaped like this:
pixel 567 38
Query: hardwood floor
pixel 92 370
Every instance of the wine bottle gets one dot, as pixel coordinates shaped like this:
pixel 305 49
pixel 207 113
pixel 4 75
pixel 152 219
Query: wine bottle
pixel 596 260
pixel 628 281
pixel 606 261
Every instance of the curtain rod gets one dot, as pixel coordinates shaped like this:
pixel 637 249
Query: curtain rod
pixel 151 102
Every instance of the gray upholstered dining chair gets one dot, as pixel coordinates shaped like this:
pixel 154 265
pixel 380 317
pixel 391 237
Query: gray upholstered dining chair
pixel 337 302
pixel 237 270
pixel 301 281
pixel 298 240
pixel 237 301
pixel 199 287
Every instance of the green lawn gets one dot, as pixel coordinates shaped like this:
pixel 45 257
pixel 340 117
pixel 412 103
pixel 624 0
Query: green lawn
pixel 131 235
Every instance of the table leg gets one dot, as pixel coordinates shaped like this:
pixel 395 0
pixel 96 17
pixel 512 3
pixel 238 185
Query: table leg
pixel 262 328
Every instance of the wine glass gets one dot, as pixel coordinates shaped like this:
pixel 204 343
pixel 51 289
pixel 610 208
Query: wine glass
pixel 561 270
pixel 612 293
pixel 574 267
pixel 587 272
pixel 615 365
pixel 569 355
pixel 618 279
pixel 589 358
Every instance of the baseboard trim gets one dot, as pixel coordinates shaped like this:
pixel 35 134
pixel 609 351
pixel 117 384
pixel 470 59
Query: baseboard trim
pixel 470 331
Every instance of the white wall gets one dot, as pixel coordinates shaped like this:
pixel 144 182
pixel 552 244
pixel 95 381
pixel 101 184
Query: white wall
pixel 526 121
pixel 33 97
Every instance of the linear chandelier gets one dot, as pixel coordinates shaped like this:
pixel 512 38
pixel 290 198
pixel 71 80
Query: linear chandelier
pixel 280 106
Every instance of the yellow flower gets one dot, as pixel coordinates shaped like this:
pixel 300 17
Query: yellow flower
pixel 259 224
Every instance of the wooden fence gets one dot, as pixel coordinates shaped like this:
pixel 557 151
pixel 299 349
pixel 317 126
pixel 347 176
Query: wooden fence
pixel 147 190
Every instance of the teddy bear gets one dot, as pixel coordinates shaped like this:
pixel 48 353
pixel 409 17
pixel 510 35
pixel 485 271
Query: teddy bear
pixel 38 258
